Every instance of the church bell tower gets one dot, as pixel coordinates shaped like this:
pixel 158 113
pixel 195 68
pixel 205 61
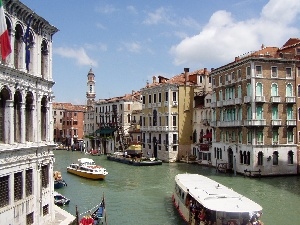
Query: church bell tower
pixel 90 93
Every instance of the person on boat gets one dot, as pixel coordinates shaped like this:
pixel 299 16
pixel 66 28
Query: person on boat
pixel 202 215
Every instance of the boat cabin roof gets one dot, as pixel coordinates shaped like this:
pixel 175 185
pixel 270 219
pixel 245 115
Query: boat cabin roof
pixel 86 160
pixel 215 196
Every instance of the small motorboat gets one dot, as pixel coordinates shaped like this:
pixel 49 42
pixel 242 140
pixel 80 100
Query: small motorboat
pixel 88 169
pixel 60 200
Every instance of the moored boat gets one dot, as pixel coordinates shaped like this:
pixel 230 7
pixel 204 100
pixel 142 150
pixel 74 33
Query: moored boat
pixel 60 200
pixel 88 169
pixel 95 216
pixel 201 200
pixel 58 181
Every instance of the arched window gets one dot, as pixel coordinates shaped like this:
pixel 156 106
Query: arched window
pixel 274 112
pixel 259 89
pixel 289 90
pixel 17 115
pixel 248 89
pixel 274 90
pixel 290 157
pixel 260 158
pixel 249 113
pixel 275 158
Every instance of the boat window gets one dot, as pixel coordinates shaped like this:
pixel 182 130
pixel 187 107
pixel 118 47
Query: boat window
pixel 232 215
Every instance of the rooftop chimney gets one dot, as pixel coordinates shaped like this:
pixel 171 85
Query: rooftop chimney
pixel 186 70
pixel 154 79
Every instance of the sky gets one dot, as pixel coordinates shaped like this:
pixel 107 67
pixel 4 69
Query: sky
pixel 127 42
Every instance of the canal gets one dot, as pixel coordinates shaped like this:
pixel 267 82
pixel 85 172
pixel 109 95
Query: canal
pixel 142 195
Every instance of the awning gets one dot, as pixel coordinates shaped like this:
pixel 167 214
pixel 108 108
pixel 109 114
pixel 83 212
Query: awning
pixel 105 130
pixel 208 135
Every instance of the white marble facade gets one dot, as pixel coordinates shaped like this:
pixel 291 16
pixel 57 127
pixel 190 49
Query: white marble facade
pixel 26 123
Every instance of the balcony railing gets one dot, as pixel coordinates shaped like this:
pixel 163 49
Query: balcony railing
pixel 219 103
pixel 247 99
pixel 260 99
pixel 276 122
pixel 290 99
pixel 275 99
pixel 290 122
pixel 238 101
pixel 255 122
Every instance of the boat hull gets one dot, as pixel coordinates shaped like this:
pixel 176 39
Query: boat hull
pixel 59 184
pixel 134 163
pixel 86 175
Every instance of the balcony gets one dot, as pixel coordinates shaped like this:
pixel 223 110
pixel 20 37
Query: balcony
pixel 247 99
pixel 213 104
pixel 166 103
pixel 158 104
pixel 260 99
pixel 174 104
pixel 213 123
pixel 219 103
pixel 276 122
pixel 291 122
pixel 255 122
pixel 290 99
pixel 228 102
pixel 238 101
pixel 149 106
pixel 275 99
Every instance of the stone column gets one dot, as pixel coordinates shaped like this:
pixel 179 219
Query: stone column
pixel 37 120
pixel 51 122
pixel 33 124
pixel 23 123
pixel 47 124
pixel 9 122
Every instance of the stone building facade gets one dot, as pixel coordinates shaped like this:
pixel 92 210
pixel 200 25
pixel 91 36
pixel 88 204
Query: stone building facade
pixel 254 114
pixel 167 117
pixel 202 132
pixel 26 129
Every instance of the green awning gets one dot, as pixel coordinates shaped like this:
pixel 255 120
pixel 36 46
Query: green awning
pixel 105 130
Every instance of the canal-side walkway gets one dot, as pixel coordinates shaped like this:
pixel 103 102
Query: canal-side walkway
pixel 62 217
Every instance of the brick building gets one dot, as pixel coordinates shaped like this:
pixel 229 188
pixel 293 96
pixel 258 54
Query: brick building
pixel 68 124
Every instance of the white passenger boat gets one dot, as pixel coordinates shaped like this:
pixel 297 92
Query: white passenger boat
pixel 201 200
pixel 88 169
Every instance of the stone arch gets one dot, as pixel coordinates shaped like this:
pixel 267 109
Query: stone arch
pixel 18 46
pixel 44 59
pixel 17 115
pixel 5 94
pixel 29 107
pixel 44 112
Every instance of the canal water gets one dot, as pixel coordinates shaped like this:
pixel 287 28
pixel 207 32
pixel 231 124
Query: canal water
pixel 142 195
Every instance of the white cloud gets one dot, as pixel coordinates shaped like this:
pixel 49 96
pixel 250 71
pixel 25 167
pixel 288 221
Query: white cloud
pixel 100 26
pixel 132 9
pixel 133 47
pixel 223 38
pixel 79 54
pixel 106 9
pixel 159 16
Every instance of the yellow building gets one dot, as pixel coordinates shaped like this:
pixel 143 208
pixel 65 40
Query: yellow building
pixel 167 114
